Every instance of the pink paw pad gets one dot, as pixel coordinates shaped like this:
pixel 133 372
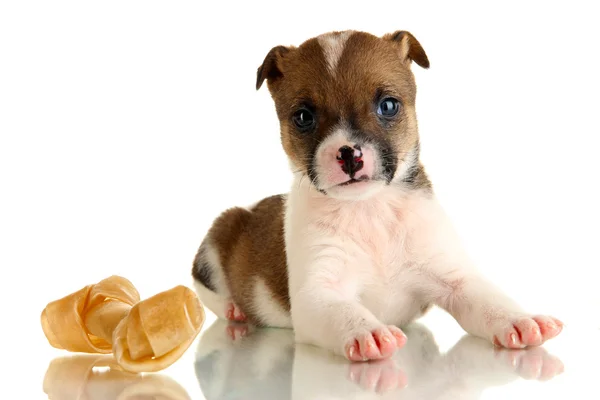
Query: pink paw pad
pixel 233 313
pixel 379 344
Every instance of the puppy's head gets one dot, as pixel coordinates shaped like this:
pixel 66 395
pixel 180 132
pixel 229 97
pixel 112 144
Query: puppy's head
pixel 346 105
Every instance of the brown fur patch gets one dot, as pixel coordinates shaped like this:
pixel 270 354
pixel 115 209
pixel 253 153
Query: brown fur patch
pixel 250 244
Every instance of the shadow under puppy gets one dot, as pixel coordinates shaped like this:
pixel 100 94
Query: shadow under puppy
pixel 359 246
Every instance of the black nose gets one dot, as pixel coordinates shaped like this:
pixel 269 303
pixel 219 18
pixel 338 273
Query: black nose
pixel 350 158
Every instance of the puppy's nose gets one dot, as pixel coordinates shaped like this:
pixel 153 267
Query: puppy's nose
pixel 350 158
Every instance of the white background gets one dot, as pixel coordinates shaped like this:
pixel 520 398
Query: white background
pixel 126 127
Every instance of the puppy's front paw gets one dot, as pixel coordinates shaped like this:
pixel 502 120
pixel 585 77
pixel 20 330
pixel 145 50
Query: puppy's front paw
pixel 521 332
pixel 377 344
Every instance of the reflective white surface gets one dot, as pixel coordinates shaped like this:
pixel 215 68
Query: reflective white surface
pixel 232 361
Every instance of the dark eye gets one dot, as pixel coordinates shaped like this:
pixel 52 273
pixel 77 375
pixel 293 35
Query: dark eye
pixel 388 107
pixel 304 119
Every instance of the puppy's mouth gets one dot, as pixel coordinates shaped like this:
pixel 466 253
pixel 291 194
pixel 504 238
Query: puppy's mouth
pixel 353 181
pixel 353 188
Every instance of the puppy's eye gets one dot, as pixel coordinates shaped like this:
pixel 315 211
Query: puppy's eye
pixel 388 107
pixel 304 119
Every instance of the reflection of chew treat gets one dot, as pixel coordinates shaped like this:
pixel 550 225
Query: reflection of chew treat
pixel 79 377
pixel 108 317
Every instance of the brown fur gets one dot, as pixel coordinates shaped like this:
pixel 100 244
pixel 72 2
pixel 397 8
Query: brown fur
pixel 250 244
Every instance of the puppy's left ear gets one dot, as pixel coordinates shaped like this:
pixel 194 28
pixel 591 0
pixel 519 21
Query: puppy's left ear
pixel 409 48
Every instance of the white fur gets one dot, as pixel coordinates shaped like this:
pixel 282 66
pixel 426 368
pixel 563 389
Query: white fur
pixel 268 310
pixel 218 279
pixel 211 300
pixel 215 302
pixel 355 266
pixel 333 47
pixel 408 161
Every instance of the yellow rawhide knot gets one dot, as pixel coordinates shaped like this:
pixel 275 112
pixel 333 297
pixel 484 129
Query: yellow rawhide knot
pixel 108 317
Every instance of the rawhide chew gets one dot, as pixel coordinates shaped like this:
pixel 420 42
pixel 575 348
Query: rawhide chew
pixel 108 317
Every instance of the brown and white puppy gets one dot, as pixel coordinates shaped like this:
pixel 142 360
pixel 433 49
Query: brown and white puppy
pixel 359 246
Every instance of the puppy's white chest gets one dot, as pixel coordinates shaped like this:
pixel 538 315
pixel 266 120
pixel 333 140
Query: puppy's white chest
pixel 377 242
pixel 374 233
pixel 374 238
pixel 383 272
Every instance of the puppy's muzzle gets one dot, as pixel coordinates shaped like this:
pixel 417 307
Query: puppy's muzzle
pixel 350 159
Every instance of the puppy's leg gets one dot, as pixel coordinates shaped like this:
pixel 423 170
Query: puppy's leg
pixel 451 281
pixel 326 311
pixel 484 310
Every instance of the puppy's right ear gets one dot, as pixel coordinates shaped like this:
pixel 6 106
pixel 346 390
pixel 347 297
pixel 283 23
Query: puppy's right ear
pixel 271 67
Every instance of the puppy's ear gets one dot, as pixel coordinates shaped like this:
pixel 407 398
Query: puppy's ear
pixel 271 67
pixel 409 48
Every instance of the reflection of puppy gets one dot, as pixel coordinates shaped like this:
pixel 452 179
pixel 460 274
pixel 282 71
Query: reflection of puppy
pixel 464 372
pixel 263 364
pixel 235 361
pixel 78 377
pixel 360 246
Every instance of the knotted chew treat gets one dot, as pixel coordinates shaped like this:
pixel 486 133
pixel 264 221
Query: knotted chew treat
pixel 108 317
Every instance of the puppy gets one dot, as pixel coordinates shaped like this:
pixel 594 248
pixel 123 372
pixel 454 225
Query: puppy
pixel 359 246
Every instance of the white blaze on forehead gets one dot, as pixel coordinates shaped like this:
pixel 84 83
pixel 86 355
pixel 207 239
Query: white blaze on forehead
pixel 333 46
